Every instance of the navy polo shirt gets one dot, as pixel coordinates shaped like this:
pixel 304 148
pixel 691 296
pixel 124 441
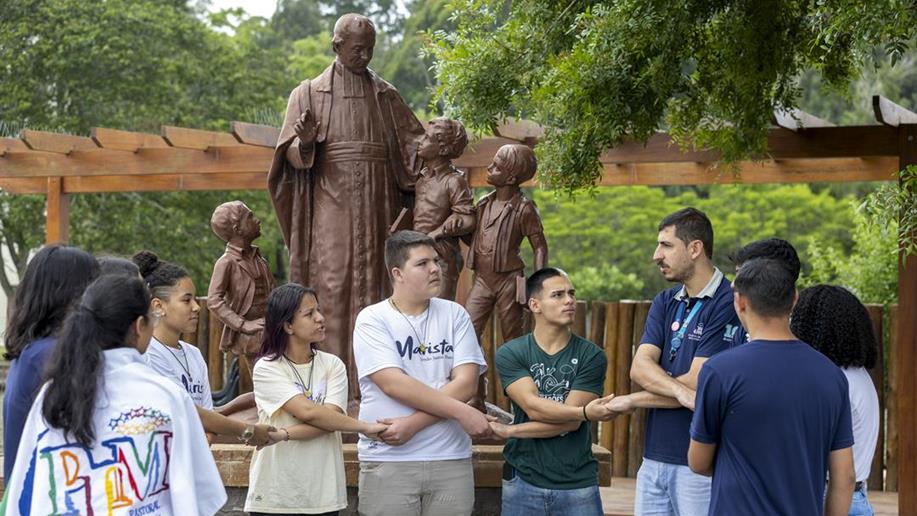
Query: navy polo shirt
pixel 712 329
pixel 775 410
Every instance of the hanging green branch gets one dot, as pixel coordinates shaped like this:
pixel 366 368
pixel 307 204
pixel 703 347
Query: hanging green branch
pixel 596 72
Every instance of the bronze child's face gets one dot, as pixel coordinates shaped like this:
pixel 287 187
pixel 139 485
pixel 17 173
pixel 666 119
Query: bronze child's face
pixel 429 148
pixel 249 225
pixel 498 173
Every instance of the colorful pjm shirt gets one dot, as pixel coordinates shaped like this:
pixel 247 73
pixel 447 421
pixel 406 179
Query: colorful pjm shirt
pixel 150 456
pixel 564 461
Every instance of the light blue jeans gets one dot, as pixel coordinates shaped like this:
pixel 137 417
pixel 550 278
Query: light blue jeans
pixel 860 506
pixel 523 499
pixel 670 489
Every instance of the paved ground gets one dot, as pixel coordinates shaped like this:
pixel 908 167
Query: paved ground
pixel 618 500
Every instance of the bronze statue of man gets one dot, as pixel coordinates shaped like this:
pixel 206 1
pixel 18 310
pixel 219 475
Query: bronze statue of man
pixel 343 169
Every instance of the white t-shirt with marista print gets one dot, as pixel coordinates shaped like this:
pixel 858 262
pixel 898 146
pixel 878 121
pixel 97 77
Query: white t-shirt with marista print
pixel 383 337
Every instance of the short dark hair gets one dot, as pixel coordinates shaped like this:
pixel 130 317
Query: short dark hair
pixel 535 283
pixel 773 248
pixel 832 320
pixel 768 285
pixel 399 245
pixel 282 304
pixel 109 264
pixel 691 224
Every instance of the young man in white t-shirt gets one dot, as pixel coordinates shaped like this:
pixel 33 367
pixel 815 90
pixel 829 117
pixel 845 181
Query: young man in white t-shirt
pixel 418 363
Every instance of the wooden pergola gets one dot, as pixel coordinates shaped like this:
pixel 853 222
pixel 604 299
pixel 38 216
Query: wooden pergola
pixel 801 149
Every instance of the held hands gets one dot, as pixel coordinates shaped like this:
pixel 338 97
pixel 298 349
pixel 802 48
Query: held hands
pixel 252 327
pixel 598 409
pixel 373 430
pixel 399 431
pixel 622 404
pixel 261 436
pixel 306 128
pixel 500 430
pixel 474 422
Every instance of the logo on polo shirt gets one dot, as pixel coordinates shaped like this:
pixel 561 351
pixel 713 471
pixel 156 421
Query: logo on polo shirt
pixel 424 351
pixel 731 330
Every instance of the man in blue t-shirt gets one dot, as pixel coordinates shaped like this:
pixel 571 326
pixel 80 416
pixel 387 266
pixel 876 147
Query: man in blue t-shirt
pixel 685 326
pixel 774 249
pixel 772 415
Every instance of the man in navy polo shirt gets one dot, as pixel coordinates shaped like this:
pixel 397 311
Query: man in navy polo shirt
pixel 686 325
pixel 773 415
pixel 774 249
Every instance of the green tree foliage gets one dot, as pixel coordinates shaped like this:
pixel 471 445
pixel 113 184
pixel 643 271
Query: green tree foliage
pixel 869 268
pixel 713 72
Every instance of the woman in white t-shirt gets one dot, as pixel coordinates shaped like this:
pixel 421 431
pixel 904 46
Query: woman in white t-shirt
pixel 175 304
pixel 303 392
pixel 833 321
pixel 107 434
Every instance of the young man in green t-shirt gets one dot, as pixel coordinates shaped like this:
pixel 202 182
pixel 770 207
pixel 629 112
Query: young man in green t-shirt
pixel 554 380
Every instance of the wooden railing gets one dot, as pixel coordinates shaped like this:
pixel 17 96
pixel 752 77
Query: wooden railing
pixel 616 327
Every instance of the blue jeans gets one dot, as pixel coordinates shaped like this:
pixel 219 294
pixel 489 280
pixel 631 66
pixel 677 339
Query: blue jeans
pixel 523 499
pixel 860 506
pixel 670 489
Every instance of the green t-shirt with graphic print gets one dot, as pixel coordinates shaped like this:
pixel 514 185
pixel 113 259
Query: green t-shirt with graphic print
pixel 565 461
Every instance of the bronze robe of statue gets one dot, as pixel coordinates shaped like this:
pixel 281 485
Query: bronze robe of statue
pixel 336 199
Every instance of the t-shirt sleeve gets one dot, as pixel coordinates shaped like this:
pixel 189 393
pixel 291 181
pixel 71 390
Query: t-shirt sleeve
pixel 531 221
pixel 373 345
pixel 207 401
pixel 591 376
pixel 654 328
pixel 273 386
pixel 709 407
pixel 511 364
pixel 193 475
pixel 337 384
pixel 460 196
pixel 843 435
pixel 466 349
pixel 716 338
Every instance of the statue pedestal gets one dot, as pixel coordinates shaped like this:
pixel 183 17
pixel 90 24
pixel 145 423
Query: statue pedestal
pixel 233 462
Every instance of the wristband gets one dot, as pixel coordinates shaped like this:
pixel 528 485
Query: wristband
pixel 585 417
pixel 286 432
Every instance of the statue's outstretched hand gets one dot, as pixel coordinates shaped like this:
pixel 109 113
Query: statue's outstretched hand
pixel 306 128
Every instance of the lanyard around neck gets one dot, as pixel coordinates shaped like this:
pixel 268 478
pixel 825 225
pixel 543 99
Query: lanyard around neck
pixel 681 327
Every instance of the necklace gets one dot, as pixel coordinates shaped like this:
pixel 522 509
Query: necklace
pixel 186 365
pixel 426 323
pixel 306 389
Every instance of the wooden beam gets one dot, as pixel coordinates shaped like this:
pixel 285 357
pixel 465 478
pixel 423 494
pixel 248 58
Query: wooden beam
pixel 24 185
pixel 115 139
pixel 819 142
pixel 255 134
pixel 11 144
pixel 144 162
pixel 57 212
pixel 907 353
pixel 891 114
pixel 55 142
pixel 778 172
pixel 797 119
pixel 185 138
pixel 165 183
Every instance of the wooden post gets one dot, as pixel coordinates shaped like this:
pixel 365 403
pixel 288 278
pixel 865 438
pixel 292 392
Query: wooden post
pixel 891 403
pixel 606 429
pixel 876 314
pixel 907 352
pixel 638 418
pixel 623 358
pixel 57 212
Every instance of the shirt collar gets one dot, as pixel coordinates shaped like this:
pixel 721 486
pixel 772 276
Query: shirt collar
pixel 708 291
pixel 120 357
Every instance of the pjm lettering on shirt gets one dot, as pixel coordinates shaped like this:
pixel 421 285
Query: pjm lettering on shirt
pixel 131 475
pixel 425 352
